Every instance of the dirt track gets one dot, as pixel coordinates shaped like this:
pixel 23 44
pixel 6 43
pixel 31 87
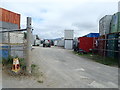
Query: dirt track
pixel 62 68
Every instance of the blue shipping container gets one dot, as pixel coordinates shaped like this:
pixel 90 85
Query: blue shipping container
pixel 93 35
pixel 4 52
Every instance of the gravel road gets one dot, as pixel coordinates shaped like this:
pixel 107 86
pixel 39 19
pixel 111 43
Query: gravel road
pixel 63 69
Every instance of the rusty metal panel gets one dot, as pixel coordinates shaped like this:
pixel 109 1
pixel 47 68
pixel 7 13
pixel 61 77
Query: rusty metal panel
pixel 10 17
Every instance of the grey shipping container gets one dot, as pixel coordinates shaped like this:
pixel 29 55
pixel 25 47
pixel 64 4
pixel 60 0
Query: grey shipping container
pixel 119 6
pixel 115 23
pixel 68 44
pixel 104 25
pixel 68 34
pixel 7 25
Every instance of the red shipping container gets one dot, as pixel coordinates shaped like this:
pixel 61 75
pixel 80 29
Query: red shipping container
pixel 10 17
pixel 86 43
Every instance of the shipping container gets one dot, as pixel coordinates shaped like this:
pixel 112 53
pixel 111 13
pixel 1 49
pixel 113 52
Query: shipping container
pixel 55 43
pixel 113 45
pixel 68 34
pixel 8 26
pixel 68 44
pixel 104 25
pixel 86 43
pixel 119 6
pixel 4 51
pixel 10 17
pixel 115 23
pixel 92 35
pixel 101 45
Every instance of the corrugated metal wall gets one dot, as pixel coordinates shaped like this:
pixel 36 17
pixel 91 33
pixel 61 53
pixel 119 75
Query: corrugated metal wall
pixel 104 25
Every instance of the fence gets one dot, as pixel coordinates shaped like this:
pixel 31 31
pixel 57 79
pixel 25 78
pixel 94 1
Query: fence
pixel 108 46
pixel 13 43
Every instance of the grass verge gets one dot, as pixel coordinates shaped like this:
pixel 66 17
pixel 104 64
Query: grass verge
pixel 99 59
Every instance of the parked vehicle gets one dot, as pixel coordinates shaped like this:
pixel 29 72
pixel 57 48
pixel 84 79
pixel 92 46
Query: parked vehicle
pixel 75 44
pixel 37 42
pixel 46 43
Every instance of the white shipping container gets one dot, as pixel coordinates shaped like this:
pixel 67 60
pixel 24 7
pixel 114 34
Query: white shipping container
pixel 68 44
pixel 55 43
pixel 68 34
pixel 104 24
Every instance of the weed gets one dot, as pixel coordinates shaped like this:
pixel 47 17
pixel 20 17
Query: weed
pixel 40 81
pixel 99 59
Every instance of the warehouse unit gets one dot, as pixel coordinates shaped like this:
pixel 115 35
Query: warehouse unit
pixel 68 39
pixel 104 25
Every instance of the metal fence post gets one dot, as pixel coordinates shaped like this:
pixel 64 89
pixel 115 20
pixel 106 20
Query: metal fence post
pixel 9 46
pixel 29 47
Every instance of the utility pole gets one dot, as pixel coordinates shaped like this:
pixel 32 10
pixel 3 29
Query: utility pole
pixel 29 47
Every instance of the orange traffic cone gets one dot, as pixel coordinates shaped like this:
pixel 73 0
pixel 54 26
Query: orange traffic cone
pixel 16 65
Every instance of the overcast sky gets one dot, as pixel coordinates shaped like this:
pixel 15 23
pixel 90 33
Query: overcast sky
pixel 51 17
